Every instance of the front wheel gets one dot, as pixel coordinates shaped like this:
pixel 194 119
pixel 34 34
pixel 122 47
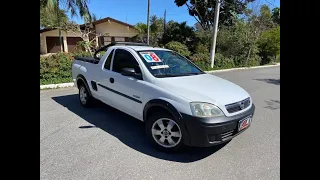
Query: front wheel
pixel 165 132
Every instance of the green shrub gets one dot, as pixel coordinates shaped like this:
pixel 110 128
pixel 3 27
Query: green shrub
pixel 57 68
pixel 201 48
pixel 81 54
pixel 178 47
pixel 278 58
pixel 244 60
pixel 101 53
pixel 200 57
pixel 220 62
pixel 204 65
pixel 269 45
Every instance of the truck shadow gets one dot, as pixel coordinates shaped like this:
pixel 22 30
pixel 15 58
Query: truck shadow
pixel 270 81
pixel 129 130
pixel 272 104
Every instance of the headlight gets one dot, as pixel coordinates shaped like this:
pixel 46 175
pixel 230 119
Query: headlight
pixel 205 110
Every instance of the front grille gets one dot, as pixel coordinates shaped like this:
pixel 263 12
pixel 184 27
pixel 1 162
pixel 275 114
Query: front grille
pixel 227 134
pixel 238 106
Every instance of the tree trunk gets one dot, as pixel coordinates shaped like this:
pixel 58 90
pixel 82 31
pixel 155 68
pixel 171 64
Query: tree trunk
pixel 59 28
pixel 248 57
pixel 87 44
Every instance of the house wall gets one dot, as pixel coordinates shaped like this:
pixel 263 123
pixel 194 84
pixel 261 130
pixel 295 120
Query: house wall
pixel 54 33
pixel 114 29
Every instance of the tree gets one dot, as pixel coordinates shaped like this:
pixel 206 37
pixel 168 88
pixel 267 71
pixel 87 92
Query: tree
pixel 258 20
pixel 142 35
pixel 141 27
pixel 203 39
pixel 276 15
pixel 86 32
pixel 179 32
pixel 156 30
pixel 74 6
pixel 156 24
pixel 203 10
pixel 269 44
pixel 178 47
pixel 266 16
pixel 198 26
pixel 48 18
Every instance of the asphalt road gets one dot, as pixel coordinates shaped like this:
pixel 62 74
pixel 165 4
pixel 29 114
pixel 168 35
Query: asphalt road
pixel 103 143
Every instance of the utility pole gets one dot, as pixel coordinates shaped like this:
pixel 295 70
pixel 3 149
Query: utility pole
pixel 164 20
pixel 215 30
pixel 148 23
pixel 59 24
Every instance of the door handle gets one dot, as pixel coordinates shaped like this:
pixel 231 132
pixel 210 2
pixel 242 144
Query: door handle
pixel 111 80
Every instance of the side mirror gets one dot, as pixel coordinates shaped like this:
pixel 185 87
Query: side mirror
pixel 131 72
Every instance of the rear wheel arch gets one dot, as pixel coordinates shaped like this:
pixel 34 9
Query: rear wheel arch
pixel 82 80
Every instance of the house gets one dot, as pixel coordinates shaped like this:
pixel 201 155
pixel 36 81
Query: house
pixel 115 30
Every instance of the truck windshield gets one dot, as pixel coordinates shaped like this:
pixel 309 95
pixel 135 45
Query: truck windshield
pixel 163 63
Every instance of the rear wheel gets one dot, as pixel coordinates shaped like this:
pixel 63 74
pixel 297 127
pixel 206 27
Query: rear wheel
pixel 164 132
pixel 85 98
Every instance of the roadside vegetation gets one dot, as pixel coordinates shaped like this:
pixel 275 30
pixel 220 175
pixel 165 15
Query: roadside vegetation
pixel 246 37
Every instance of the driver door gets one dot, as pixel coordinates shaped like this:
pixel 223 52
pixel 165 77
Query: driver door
pixel 127 91
pixel 103 79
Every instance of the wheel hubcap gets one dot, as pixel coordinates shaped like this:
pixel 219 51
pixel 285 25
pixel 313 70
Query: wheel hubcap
pixel 83 95
pixel 166 132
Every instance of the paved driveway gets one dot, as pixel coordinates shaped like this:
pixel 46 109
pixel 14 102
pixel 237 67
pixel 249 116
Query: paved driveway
pixel 103 143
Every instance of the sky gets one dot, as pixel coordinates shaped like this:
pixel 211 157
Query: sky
pixel 134 11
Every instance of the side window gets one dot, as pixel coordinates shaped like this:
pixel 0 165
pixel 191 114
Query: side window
pixel 123 59
pixel 108 61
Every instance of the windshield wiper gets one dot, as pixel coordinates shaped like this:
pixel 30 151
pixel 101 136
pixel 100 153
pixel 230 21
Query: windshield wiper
pixel 166 75
pixel 194 73
pixel 176 75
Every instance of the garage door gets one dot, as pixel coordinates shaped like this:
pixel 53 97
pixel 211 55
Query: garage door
pixel 72 43
pixel 53 44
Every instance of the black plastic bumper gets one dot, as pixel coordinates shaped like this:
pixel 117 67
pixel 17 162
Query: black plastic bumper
pixel 204 132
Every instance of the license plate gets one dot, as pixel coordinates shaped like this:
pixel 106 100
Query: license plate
pixel 244 123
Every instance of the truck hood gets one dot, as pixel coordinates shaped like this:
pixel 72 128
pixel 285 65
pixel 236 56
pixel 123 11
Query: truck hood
pixel 204 88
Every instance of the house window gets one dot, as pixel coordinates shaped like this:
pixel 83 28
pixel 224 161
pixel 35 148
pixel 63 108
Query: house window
pixel 119 39
pixel 105 40
pixel 101 41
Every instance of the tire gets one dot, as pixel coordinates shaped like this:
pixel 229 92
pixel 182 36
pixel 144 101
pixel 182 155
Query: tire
pixel 172 137
pixel 86 100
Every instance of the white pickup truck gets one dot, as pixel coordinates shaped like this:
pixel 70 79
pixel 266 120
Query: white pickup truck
pixel 179 103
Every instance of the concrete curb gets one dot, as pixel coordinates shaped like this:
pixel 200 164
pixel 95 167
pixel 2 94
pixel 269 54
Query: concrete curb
pixel 54 86
pixel 64 85
pixel 233 69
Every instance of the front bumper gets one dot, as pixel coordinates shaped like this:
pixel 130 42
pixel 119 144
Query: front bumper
pixel 204 132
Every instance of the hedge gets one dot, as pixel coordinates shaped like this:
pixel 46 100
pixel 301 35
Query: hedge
pixel 56 68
